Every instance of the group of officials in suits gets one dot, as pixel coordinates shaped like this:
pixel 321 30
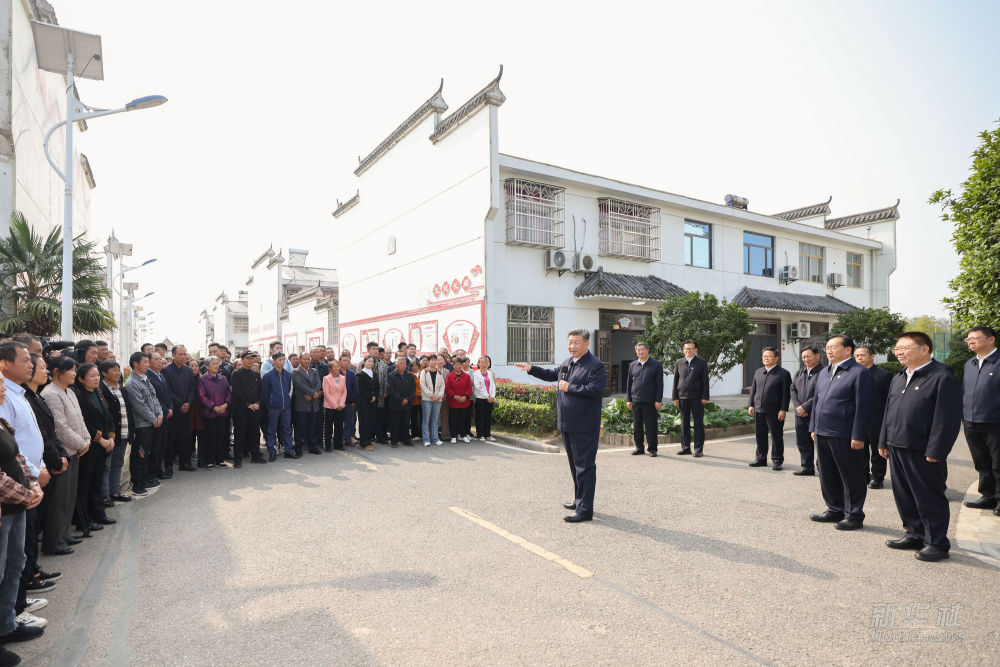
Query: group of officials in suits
pixel 851 417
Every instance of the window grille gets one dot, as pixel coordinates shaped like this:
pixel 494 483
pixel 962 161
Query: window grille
pixel 241 325
pixel 629 230
pixel 536 214
pixel 530 335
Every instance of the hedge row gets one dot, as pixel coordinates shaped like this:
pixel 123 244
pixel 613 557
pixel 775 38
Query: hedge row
pixel 527 393
pixel 523 415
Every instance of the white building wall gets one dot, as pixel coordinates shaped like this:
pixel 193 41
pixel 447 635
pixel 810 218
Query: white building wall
pixel 305 328
pixel 263 306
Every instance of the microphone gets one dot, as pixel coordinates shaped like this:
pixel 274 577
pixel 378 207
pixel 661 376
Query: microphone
pixel 563 372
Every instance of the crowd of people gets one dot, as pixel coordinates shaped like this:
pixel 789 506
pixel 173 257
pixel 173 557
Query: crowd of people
pixel 71 418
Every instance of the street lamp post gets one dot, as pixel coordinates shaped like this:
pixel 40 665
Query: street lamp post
pixel 121 297
pixel 61 50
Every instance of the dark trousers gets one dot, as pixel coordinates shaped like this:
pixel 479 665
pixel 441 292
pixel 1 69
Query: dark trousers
pixel 484 418
pixel 919 489
pixel 805 444
pixel 399 424
pixel 89 505
pixel 366 423
pixel 460 422
pixel 214 440
pixel 246 434
pixel 769 423
pixel 178 441
pixel 843 476
pixel 381 423
pixel 644 424
pixel 333 429
pixel 445 421
pixel 308 430
pixel 30 545
pixel 57 507
pixel 416 416
pixel 984 445
pixel 581 450
pixel 138 457
pixel 691 407
pixel 877 463
pixel 279 429
pixel 348 423
pixel 156 447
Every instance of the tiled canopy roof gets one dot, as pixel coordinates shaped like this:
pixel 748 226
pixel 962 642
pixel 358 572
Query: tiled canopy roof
pixel 623 285
pixel 796 303
pixel 806 211
pixel 867 218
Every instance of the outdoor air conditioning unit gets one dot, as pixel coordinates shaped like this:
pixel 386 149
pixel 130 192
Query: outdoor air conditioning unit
pixel 789 273
pixel 557 260
pixel 835 280
pixel 799 330
pixel 584 263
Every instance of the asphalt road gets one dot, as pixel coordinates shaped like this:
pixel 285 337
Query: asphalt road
pixel 458 555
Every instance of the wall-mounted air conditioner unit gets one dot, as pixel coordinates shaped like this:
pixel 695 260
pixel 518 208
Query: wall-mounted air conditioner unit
pixel 835 280
pixel 799 330
pixel 584 263
pixel 788 274
pixel 557 260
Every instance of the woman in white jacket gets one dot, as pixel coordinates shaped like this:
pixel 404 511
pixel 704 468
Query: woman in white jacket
pixel 484 383
pixel 431 396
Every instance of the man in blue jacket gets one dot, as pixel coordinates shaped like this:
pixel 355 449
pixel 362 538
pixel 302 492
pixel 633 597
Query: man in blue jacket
pixel 981 414
pixel 277 388
pixel 842 408
pixel 352 397
pixel 581 385
pixel 181 385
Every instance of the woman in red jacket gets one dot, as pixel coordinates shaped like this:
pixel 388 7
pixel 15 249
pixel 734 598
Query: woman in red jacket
pixel 458 392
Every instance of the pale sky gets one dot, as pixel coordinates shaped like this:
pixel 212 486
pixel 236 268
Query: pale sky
pixel 786 103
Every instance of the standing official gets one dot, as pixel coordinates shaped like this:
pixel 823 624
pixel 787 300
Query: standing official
pixel 246 395
pixel 769 396
pixel 644 396
pixel 402 387
pixel 881 377
pixel 802 392
pixel 162 388
pixel 182 386
pixel 307 407
pixel 691 395
pixel 922 419
pixel 581 385
pixel 981 414
pixel 842 408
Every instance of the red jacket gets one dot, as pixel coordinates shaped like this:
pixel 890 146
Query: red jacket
pixel 458 385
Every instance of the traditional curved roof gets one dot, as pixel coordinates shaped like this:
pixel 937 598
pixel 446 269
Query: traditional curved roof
pixel 805 211
pixel 490 94
pixel 343 207
pixel 626 286
pixel 434 104
pixel 794 303
pixel 866 218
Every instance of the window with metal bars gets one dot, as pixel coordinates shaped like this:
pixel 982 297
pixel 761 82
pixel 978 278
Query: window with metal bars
pixel 811 260
pixel 629 230
pixel 855 264
pixel 241 325
pixel 332 327
pixel 536 214
pixel 530 335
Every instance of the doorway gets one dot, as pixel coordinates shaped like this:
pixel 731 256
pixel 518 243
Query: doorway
pixel 765 335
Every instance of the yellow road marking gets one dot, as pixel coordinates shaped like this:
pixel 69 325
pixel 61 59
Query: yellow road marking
pixel 523 543
pixel 358 459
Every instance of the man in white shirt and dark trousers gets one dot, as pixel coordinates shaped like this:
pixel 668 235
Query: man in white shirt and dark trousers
pixel 981 414
pixel 690 395
pixel 644 397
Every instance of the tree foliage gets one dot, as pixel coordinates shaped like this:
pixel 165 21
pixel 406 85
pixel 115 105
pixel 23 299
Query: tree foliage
pixel 929 324
pixel 875 327
pixel 958 354
pixel 975 214
pixel 31 282
pixel 722 331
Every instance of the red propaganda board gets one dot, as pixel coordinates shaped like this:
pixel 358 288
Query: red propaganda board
pixel 461 335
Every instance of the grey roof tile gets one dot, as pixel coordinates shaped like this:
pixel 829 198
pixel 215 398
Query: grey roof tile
pixel 805 211
pixel 866 218
pixel 797 303
pixel 623 285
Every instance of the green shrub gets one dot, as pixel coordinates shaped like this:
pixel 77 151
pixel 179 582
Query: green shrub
pixel 523 415
pixel 891 366
pixel 618 418
pixel 522 392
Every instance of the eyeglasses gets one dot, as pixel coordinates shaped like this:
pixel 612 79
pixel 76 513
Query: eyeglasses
pixel 973 338
pixel 903 348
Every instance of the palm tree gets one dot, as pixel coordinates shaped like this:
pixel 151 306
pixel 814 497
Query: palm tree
pixel 31 282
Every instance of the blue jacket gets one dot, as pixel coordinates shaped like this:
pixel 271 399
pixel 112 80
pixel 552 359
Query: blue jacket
pixel 352 387
pixel 277 389
pixel 981 390
pixel 580 406
pixel 842 404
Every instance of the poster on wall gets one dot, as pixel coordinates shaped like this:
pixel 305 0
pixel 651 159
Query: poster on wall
pixel 424 335
pixel 291 343
pixel 315 338
pixel 349 343
pixel 368 336
pixel 391 339
pixel 461 335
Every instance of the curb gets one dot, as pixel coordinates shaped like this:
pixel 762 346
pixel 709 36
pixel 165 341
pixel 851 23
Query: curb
pixel 524 443
pixel 978 531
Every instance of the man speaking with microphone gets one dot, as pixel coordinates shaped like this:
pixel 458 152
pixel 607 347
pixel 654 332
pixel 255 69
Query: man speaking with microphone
pixel 581 384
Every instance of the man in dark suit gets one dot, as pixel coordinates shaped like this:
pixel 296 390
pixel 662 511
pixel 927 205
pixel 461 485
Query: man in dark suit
pixel 981 414
pixel 644 396
pixel 922 419
pixel 769 395
pixel 690 395
pixel 402 388
pixel 162 388
pixel 581 385
pixel 842 408
pixel 881 377
pixel 803 389
pixel 182 386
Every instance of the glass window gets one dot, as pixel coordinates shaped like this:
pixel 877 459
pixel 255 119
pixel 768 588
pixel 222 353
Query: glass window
pixel 530 334
pixel 811 260
pixel 758 254
pixel 855 264
pixel 697 244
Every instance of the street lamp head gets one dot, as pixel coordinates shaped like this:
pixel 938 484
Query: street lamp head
pixel 145 102
pixel 148 261
pixel 148 294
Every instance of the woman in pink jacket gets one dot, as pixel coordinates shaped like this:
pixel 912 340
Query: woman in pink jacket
pixel 334 400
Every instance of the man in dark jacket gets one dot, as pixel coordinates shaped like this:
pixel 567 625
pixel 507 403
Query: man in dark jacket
pixel 246 392
pixel 402 386
pixel 182 387
pixel 922 419
pixel 352 396
pixel 769 395
pixel 842 408
pixel 276 390
pixel 307 406
pixel 981 414
pixel 581 385
pixel 881 377
pixel 644 396
pixel 802 391
pixel 162 388
pixel 690 395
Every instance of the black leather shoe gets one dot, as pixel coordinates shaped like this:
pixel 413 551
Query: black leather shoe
pixel 850 524
pixel 931 554
pixel 683 452
pixel 315 451
pixel 758 464
pixel 292 455
pixel 652 452
pixel 271 458
pixel 638 452
pixel 258 460
pixel 905 543
pixel 22 633
pixel 577 518
pixel 121 498
pixel 569 506
pixel 698 455
pixel 875 484
pixel 187 468
pixel 106 521
pixel 827 517
pixel 982 504
pixel 804 473
pixel 777 466
pixel 95 526
pixel 73 540
pixel 60 552
pixel 997 511
pixel 108 502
